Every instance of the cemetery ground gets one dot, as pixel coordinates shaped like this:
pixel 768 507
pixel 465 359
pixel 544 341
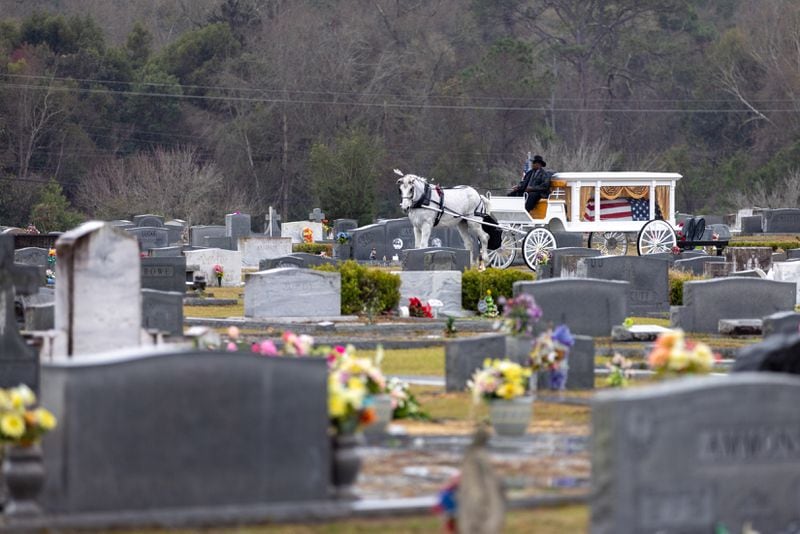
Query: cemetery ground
pixel 416 460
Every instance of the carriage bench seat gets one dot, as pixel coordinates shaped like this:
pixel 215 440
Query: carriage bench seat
pixel 557 190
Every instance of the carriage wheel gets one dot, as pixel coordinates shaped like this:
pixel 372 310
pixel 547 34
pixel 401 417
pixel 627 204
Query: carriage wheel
pixel 503 257
pixel 654 237
pixel 536 245
pixel 609 243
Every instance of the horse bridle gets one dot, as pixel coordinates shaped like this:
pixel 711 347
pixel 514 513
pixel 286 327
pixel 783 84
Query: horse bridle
pixel 410 197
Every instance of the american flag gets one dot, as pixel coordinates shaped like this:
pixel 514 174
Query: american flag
pixel 621 209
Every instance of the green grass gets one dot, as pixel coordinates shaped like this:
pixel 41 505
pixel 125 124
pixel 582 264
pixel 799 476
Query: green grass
pixel 219 312
pixel 423 361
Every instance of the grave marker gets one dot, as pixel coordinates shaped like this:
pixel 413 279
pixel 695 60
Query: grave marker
pixel 426 285
pixel 31 256
pixel 206 259
pixel 149 220
pixel 237 225
pixel 781 221
pixel 164 273
pixel 163 311
pixel 150 237
pixel 649 289
pixel 746 258
pixel 414 259
pixel 462 357
pixel 272 223
pixel 293 292
pixel 254 249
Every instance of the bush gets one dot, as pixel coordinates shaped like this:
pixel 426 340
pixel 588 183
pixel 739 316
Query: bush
pixel 785 245
pixel 474 284
pixel 363 285
pixel 313 248
pixel 676 281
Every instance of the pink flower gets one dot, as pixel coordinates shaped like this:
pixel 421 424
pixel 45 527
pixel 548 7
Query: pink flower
pixel 231 347
pixel 233 332
pixel 268 348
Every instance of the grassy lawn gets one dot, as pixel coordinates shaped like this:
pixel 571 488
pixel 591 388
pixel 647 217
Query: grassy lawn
pixel 423 361
pixel 219 311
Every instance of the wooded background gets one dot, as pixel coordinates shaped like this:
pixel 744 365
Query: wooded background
pixel 194 108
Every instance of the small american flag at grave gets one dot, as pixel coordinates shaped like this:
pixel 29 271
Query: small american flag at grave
pixel 621 209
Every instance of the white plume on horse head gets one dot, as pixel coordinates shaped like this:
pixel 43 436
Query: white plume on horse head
pixel 398 172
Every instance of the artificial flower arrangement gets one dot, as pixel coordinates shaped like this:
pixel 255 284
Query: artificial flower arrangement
pixel 343 237
pixel 499 379
pixel 550 351
pixel 404 404
pixel 417 309
pixel 619 371
pixel 673 354
pixel 21 422
pixel 487 306
pixel 219 272
pixel 519 315
pixel 51 258
pixel 50 277
pixel 308 235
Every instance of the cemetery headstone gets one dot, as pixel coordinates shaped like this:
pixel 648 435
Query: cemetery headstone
pixel 649 289
pixel 365 238
pixel 751 224
pixel 462 357
pixel 705 302
pixel 31 256
pixel 779 256
pixel 563 262
pixel 122 224
pixel 675 457
pixel 163 311
pixel 717 269
pixel 237 225
pixel 793 254
pixel 399 236
pixel 787 322
pixel 272 223
pixel 223 242
pixel 257 248
pixel 18 363
pixel 781 221
pixel 316 215
pixel 414 259
pixel 98 299
pixel 165 273
pixel 580 375
pixel 25 240
pixel 744 258
pixel 171 251
pixel 156 221
pixel 297 259
pixel 292 292
pixel 425 285
pixel 40 317
pixel 150 237
pixel 788 271
pixel 198 234
pixel 206 259
pixel 588 306
pixel 175 230
pixel 344 225
pixel 696 265
pixel 169 432
pixel 744 212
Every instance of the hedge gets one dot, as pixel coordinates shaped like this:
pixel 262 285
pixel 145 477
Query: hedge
pixel 676 280
pixel 362 285
pixel 474 285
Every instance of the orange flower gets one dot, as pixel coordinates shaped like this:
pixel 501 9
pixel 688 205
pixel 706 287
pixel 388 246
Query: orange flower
pixel 659 357
pixel 367 416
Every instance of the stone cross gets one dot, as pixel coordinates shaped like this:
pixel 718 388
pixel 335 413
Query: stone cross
pixel 316 215
pixel 273 228
pixel 18 363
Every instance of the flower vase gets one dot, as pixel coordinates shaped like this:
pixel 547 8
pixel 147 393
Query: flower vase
pixel 382 404
pixel 518 349
pixel 24 473
pixel 219 281
pixel 346 463
pixel 511 417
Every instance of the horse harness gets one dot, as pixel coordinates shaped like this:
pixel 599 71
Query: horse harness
pixel 425 200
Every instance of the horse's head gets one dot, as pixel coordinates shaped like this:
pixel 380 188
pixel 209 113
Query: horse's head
pixel 408 189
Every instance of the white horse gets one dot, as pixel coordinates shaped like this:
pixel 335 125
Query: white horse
pixel 428 206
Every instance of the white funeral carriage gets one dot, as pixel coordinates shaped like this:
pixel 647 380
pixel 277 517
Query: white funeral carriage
pixel 636 206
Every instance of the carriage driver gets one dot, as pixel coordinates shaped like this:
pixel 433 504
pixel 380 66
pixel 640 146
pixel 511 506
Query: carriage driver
pixel 536 183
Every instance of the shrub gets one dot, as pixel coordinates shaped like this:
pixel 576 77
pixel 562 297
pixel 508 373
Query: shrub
pixel 474 284
pixel 364 286
pixel 313 248
pixel 676 281
pixel 775 245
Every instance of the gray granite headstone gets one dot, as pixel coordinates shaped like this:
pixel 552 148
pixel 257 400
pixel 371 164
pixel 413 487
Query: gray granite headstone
pixel 237 225
pixel 198 234
pixel 175 230
pixel 462 357
pixel 441 260
pixel 588 306
pixel 717 269
pixel 705 302
pixel 171 431
pixel 163 311
pixel 148 220
pixel 365 238
pixel 676 458
pixel 296 259
pixel 696 265
pixel 31 256
pixel 292 292
pixel 778 257
pixel 752 224
pixel 649 289
pixel 781 221
pixel 344 225
pixel 581 366
pixel 272 223
pixel 223 242
pixel 172 251
pixel 425 285
pixel 40 316
pixel 414 259
pixel 18 363
pixel 745 258
pixel 122 223
pixel 150 237
pixel 164 273
pixel 793 254
pixel 786 322
pixel 748 273
pixel 562 260
pixel 399 236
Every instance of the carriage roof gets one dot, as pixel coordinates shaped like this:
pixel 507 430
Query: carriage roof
pixel 614 176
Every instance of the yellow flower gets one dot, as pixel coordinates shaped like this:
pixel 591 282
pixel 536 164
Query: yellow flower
pixel 47 421
pixel 678 359
pixel 5 400
pixel 337 406
pixel 703 357
pixel 12 425
pixel 489 292
pixel 22 395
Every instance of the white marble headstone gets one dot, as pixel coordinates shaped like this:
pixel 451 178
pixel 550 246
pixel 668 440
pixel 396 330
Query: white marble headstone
pixel 98 302
pixel 255 249
pixel 294 229
pixel 293 292
pixel 206 259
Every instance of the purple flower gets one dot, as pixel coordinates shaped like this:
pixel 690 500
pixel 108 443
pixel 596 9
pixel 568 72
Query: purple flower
pixel 558 379
pixel 563 336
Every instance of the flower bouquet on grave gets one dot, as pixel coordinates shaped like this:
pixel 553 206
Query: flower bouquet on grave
pixel 308 235
pixel 21 422
pixel 219 272
pixel 343 238
pixel 501 383
pixel 550 352
pixel 404 404
pixel 519 315
pixel 619 371
pixel 51 258
pixel 672 354
pixel 417 309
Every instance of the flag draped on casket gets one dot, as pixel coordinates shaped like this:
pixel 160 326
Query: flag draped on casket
pixel 621 209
